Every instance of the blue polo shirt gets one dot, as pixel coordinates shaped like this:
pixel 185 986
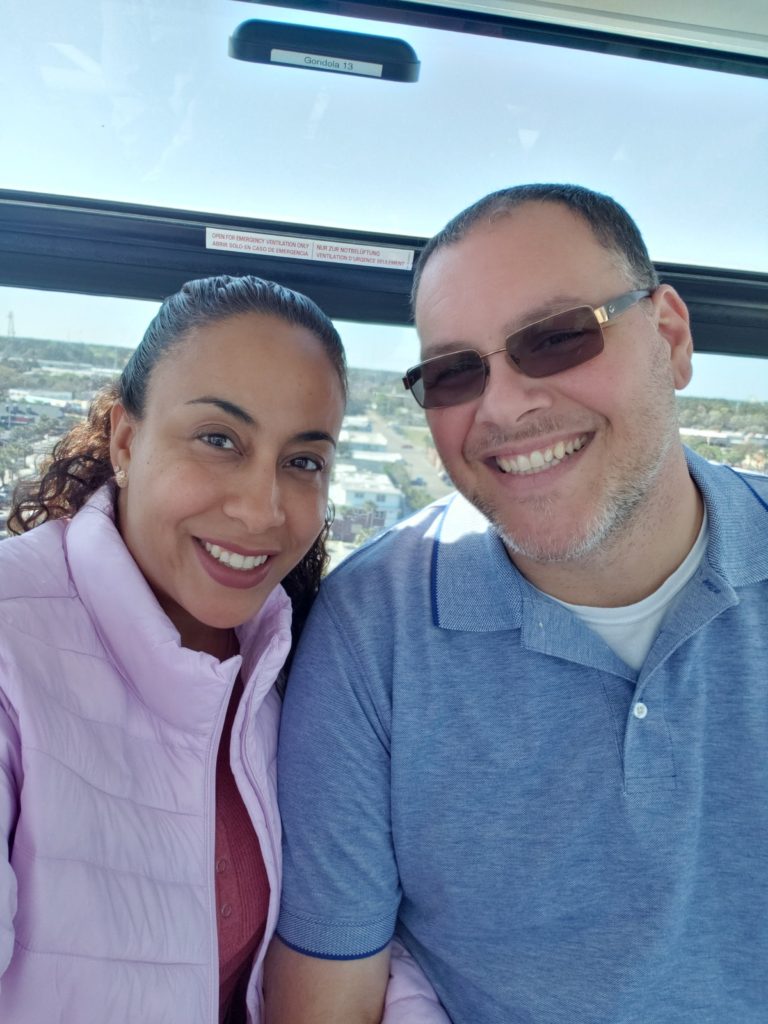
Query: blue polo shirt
pixel 462 763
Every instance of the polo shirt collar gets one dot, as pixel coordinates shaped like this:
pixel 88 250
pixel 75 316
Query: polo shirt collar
pixel 737 512
pixel 476 588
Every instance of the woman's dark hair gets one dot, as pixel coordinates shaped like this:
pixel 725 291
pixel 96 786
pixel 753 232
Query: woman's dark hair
pixel 80 463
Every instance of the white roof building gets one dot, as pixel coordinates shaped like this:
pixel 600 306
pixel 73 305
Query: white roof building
pixel 375 460
pixel 363 440
pixel 354 488
pixel 356 423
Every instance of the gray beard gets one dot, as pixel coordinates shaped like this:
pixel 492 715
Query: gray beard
pixel 619 513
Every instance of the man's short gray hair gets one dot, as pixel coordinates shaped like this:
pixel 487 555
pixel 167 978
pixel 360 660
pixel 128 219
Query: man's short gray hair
pixel 611 225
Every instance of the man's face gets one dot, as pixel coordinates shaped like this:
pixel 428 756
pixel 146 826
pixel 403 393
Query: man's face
pixel 562 465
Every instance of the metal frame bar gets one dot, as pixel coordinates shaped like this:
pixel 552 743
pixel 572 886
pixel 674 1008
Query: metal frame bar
pixel 61 243
pixel 456 19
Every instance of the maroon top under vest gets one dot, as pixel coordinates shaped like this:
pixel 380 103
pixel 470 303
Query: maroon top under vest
pixel 242 887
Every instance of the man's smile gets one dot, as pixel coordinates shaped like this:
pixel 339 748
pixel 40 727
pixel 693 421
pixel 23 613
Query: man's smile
pixel 541 459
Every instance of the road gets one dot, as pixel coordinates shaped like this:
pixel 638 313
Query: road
pixel 415 458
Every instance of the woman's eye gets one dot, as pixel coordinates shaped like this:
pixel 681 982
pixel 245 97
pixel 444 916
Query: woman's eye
pixel 309 463
pixel 218 441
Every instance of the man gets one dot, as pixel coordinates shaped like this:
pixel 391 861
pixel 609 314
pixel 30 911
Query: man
pixel 527 732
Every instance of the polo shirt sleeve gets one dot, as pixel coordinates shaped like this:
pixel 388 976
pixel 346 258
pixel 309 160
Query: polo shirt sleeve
pixel 341 890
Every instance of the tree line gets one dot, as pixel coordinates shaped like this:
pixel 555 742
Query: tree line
pixel 27 353
pixel 736 417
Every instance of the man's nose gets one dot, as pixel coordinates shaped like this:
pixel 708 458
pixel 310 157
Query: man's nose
pixel 510 395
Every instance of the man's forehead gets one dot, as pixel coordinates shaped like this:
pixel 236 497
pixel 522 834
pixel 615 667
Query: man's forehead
pixel 548 255
pixel 530 245
pixel 544 225
pixel 459 334
pixel 522 271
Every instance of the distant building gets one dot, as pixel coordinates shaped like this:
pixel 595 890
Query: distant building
pixel 14 415
pixel 363 440
pixel 40 396
pixel 723 438
pixel 27 403
pixel 364 500
pixel 377 461
pixel 360 423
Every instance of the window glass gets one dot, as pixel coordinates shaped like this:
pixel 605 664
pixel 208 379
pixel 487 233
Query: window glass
pixel 57 349
pixel 138 101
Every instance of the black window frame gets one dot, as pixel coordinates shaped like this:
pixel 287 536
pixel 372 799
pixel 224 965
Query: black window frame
pixel 95 247
pixel 457 18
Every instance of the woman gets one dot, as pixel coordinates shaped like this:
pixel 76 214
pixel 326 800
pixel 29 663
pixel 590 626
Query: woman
pixel 142 627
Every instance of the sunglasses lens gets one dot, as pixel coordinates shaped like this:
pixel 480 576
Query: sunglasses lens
pixel 449 380
pixel 540 350
pixel 557 343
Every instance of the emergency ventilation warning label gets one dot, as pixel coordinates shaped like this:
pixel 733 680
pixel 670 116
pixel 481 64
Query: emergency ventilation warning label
pixel 297 248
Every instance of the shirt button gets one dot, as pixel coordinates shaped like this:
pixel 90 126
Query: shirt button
pixel 221 865
pixel 226 910
pixel 640 710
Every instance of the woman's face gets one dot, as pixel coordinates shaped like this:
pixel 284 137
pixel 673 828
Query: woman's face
pixel 228 470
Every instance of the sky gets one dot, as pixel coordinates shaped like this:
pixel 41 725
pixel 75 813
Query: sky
pixel 137 101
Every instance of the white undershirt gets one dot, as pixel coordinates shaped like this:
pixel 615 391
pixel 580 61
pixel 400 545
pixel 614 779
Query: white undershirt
pixel 631 629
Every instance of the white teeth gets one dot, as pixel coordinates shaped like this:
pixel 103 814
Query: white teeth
pixel 232 558
pixel 540 460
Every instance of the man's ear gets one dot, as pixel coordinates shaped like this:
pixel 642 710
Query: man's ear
pixel 673 323
pixel 122 433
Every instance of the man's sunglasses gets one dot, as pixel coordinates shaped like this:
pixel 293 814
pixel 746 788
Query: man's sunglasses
pixel 557 343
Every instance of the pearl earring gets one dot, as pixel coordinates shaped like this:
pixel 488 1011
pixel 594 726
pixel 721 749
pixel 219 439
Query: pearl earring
pixel 121 477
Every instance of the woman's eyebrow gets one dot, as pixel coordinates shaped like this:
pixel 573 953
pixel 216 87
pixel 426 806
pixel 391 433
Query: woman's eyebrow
pixel 225 406
pixel 245 417
pixel 315 435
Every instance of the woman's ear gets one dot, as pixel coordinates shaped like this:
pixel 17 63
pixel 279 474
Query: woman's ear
pixel 122 433
pixel 673 323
